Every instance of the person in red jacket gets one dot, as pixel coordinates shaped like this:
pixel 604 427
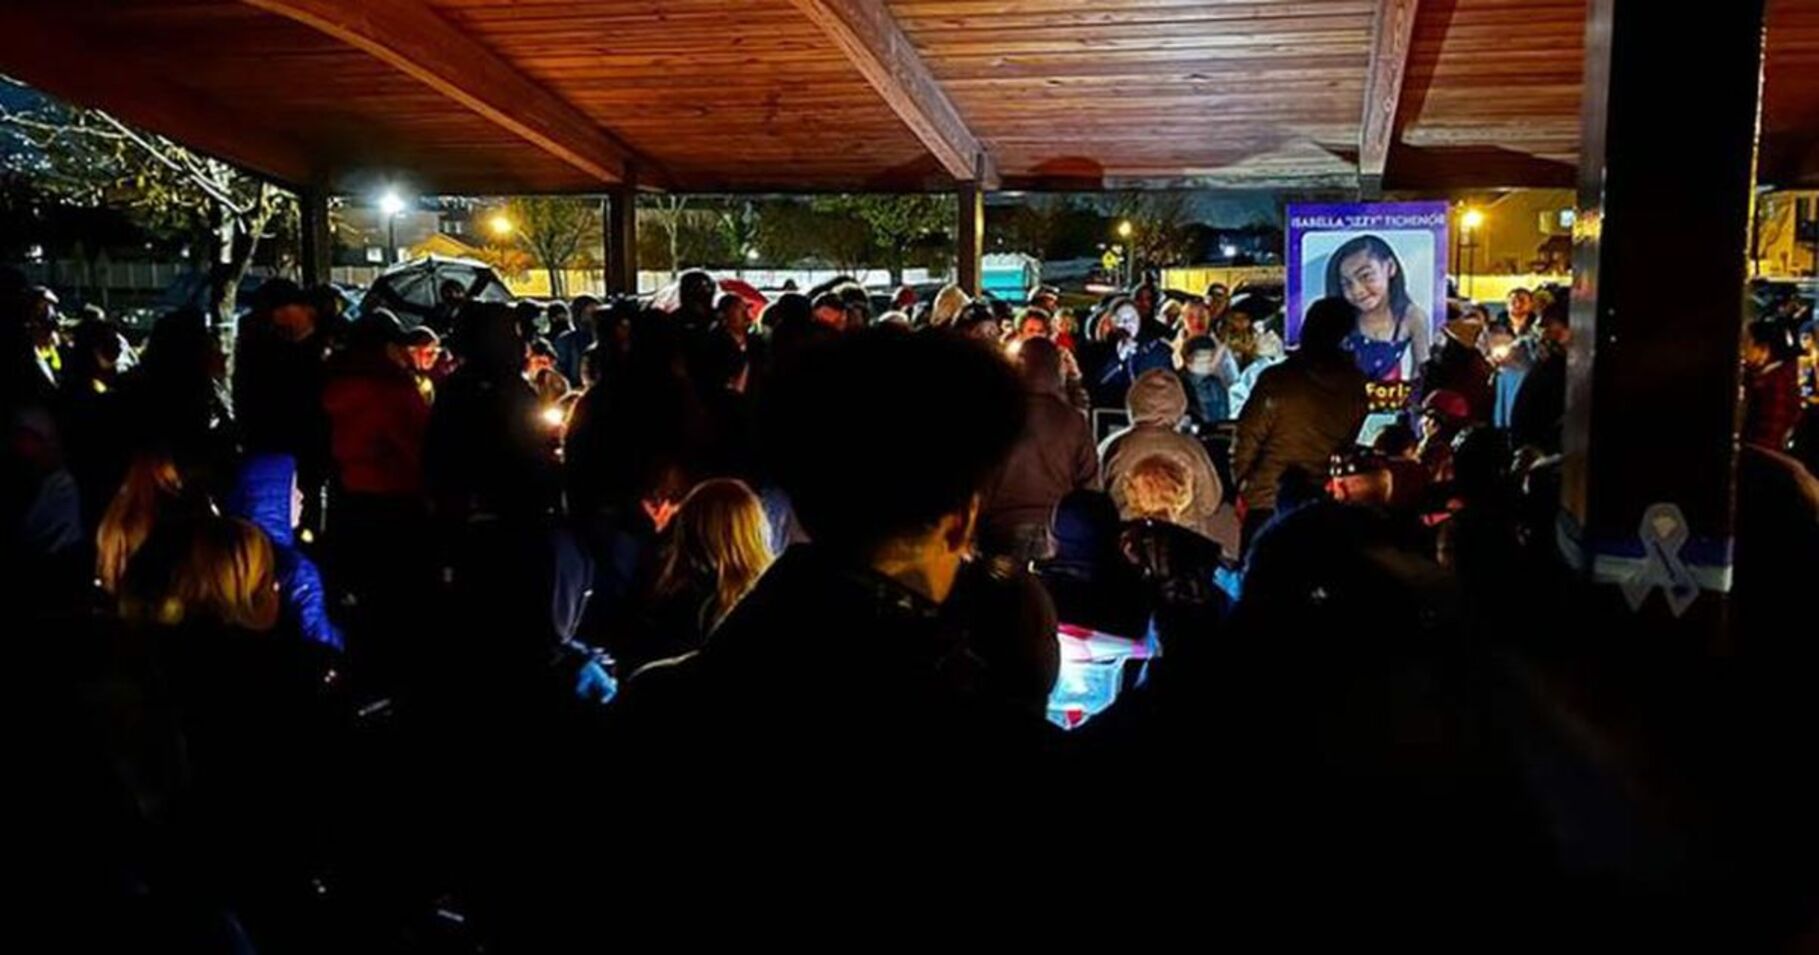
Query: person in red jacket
pixel 378 415
pixel 1771 386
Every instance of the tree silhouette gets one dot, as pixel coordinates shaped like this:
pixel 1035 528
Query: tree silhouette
pixel 86 157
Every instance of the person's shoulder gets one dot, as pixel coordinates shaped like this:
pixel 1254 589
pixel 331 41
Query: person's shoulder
pixel 662 709
pixel 1271 376
pixel 1190 447
pixel 1057 407
pixel 668 675
pixel 656 691
pixel 1077 427
pixel 1109 447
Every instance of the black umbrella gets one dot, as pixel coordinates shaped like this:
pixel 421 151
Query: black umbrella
pixel 413 289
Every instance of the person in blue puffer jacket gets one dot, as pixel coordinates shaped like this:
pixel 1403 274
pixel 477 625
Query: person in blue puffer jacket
pixel 266 494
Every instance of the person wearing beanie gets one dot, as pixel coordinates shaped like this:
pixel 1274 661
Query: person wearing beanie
pixel 1459 366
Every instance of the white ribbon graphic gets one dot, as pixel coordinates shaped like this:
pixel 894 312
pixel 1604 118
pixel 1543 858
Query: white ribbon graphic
pixel 1664 534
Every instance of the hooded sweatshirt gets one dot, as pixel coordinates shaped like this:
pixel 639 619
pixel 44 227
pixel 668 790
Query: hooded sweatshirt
pixel 262 495
pixel 1157 403
pixel 1300 413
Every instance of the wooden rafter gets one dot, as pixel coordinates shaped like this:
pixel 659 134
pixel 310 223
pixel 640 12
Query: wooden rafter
pixel 867 33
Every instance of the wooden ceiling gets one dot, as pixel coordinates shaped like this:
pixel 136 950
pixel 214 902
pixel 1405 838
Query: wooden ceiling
pixel 1491 96
pixel 1090 93
pixel 499 96
pixel 1790 94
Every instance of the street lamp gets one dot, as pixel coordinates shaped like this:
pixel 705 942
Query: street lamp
pixel 1466 254
pixel 391 204
pixel 501 224
pixel 1124 232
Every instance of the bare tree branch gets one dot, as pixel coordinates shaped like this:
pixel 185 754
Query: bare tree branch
pixel 215 190
pixel 54 131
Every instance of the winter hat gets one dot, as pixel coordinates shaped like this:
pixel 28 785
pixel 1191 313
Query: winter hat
pixel 1465 331
pixel 1447 404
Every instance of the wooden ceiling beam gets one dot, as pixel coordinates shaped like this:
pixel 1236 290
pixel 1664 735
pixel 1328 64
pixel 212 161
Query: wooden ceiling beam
pixel 46 52
pixel 1390 40
pixel 417 41
pixel 869 36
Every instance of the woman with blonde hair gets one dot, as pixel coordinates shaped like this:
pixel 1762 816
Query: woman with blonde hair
pixel 1157 488
pixel 716 547
pixel 258 715
pixel 948 304
pixel 216 571
pixel 152 485
pixel 1173 558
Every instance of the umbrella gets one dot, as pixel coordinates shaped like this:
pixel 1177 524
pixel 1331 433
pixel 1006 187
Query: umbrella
pixel 413 289
pixel 669 297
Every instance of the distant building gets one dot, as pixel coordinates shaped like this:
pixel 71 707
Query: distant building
pixel 1530 232
pixel 1525 232
pixel 361 234
pixel 1787 227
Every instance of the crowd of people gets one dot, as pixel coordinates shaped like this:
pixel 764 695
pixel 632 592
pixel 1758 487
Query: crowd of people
pixel 517 628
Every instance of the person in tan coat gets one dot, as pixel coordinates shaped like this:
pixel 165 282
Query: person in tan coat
pixel 1157 405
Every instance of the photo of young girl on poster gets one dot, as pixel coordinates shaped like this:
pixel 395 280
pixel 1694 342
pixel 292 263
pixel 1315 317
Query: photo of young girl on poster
pixel 1393 332
pixel 1387 260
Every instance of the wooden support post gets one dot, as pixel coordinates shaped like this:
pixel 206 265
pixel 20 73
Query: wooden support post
pixel 1650 431
pixel 620 216
pixel 317 258
pixel 970 238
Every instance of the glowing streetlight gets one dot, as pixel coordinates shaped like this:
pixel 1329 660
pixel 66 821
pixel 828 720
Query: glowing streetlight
pixel 391 204
pixel 1124 229
pixel 1470 220
pixel 501 224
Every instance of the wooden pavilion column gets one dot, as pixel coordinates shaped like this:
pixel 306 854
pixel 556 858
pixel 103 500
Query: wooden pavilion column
pixel 1659 252
pixel 317 256
pixel 619 214
pixel 970 238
